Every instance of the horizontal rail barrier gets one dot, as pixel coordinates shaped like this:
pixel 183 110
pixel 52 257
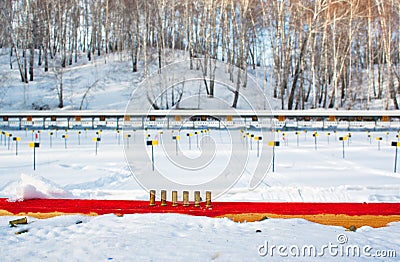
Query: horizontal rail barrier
pixel 306 119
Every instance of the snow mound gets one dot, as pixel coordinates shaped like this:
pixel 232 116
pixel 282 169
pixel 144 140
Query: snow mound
pixel 31 187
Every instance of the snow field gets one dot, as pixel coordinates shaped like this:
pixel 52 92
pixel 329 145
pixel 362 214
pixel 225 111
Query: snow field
pixel 172 237
pixel 302 173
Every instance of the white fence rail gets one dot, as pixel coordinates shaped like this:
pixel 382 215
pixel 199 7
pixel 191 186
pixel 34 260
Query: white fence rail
pixel 308 119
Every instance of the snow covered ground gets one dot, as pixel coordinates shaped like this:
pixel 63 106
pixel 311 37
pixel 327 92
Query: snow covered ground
pixel 302 173
pixel 172 237
pixel 309 172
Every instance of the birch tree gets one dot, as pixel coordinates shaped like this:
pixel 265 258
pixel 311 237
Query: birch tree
pixel 385 23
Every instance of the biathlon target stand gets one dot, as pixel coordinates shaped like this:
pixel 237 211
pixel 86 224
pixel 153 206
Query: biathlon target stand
pixel 343 138
pixel 9 139
pixel 65 137
pixel 273 144
pixel 97 140
pixel 348 139
pixel 379 139
pixel 127 136
pixel 297 133
pixel 328 134
pixel 370 138
pixel 152 143
pixel 176 138
pixel 197 138
pixel 34 145
pixel 395 144
pixel 189 135
pixel 251 136
pixel 16 139
pixel 285 138
pixel 51 139
pixel 258 139
pixel 315 135
pixel 79 137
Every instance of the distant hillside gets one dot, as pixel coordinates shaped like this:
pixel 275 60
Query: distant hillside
pixel 108 83
pixel 100 85
pixel 310 53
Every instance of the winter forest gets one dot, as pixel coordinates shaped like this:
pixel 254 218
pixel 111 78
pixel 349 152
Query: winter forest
pixel 337 54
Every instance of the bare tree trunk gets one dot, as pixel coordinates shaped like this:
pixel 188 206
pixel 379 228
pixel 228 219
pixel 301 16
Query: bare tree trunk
pixel 297 73
pixel 385 17
pixel 107 30
pixel 24 55
pixel 242 22
pixel 11 54
pixel 370 65
pixel 31 61
pixel 60 88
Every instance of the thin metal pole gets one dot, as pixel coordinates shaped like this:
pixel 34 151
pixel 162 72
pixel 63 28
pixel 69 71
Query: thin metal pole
pixel 315 142
pixel 395 161
pixel 152 156
pixel 273 158
pixel 34 157
pixel 343 148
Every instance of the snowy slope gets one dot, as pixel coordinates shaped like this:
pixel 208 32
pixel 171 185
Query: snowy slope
pixel 100 85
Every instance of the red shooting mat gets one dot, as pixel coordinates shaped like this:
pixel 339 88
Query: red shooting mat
pixel 218 209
